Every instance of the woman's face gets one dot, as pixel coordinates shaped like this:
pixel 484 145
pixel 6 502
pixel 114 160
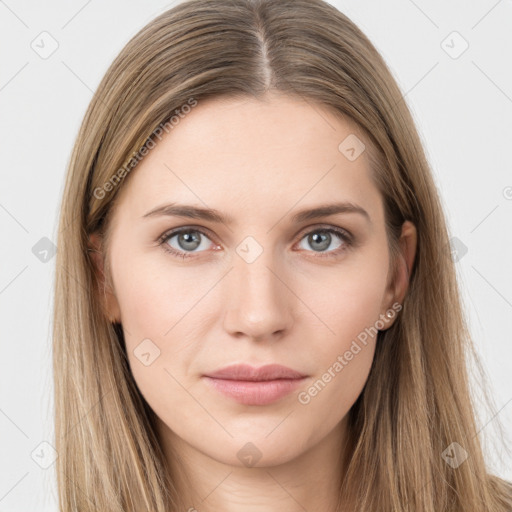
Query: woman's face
pixel 269 284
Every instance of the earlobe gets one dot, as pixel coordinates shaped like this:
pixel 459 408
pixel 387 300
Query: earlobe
pixel 106 297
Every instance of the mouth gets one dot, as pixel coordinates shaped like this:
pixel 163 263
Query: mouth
pixel 255 386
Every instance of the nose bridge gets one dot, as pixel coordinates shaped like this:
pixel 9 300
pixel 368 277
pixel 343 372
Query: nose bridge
pixel 260 303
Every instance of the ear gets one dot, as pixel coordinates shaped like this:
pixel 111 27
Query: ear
pixel 107 296
pixel 397 289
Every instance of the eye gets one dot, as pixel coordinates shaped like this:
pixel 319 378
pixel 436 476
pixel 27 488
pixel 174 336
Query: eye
pixel 321 239
pixel 182 242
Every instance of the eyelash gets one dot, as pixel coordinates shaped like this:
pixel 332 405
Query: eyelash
pixel 346 237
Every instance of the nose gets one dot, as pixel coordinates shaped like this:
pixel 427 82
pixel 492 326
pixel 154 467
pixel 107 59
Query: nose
pixel 260 303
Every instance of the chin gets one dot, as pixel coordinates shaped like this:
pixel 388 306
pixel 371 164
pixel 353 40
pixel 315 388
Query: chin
pixel 261 450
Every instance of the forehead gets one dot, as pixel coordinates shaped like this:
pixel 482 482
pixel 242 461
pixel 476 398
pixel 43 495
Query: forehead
pixel 249 156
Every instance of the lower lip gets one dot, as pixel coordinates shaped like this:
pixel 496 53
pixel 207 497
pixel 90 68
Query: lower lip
pixel 255 392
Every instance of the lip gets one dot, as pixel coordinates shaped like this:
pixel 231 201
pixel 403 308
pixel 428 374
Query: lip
pixel 255 386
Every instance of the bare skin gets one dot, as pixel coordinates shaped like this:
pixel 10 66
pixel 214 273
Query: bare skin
pixel 301 302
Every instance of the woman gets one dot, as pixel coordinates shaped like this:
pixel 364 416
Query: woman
pixel 256 306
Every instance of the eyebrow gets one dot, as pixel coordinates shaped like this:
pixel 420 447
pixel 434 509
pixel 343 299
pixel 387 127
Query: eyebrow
pixel 212 215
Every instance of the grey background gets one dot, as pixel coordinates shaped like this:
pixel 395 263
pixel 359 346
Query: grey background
pixel 463 109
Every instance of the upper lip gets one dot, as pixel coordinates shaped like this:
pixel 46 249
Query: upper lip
pixel 250 373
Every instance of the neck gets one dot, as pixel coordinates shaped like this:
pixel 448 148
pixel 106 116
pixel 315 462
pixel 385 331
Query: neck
pixel 310 481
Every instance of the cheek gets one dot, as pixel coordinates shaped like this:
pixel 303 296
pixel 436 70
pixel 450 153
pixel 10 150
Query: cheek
pixel 348 298
pixel 159 308
pixel 343 357
pixel 349 304
pixel 152 296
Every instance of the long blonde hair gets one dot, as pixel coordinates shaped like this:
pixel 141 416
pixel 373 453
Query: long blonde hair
pixel 417 399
